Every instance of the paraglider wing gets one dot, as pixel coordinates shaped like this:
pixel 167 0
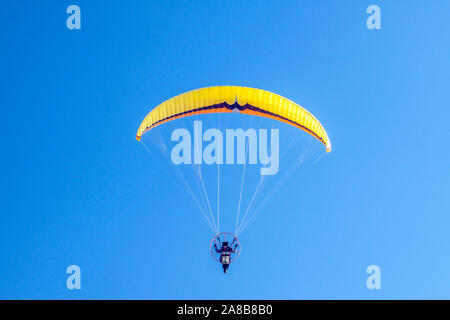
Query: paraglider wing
pixel 245 100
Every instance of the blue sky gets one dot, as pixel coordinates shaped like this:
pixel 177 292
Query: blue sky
pixel 77 188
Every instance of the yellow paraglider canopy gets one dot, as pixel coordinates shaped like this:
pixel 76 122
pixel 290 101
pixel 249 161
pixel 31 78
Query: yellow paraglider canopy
pixel 235 99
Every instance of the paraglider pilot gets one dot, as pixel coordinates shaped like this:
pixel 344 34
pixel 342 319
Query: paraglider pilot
pixel 225 253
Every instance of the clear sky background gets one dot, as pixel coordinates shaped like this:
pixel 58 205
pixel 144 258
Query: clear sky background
pixel 77 188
